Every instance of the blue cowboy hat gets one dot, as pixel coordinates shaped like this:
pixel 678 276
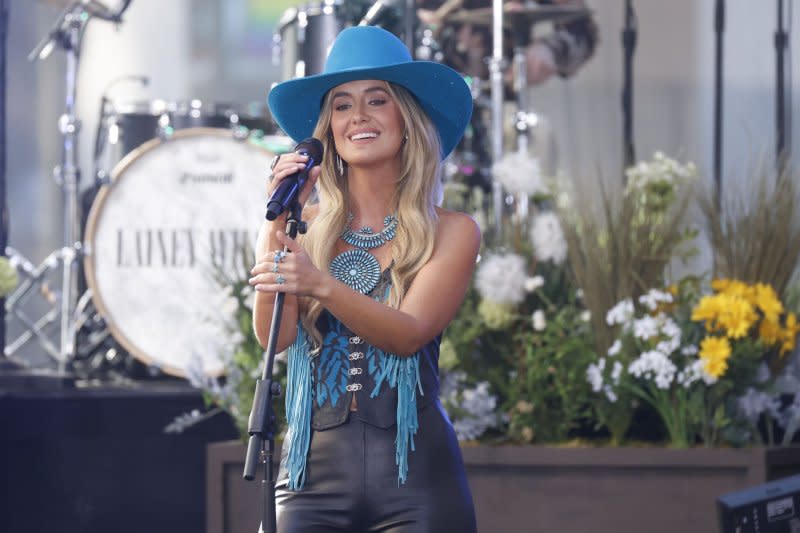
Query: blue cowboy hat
pixel 372 53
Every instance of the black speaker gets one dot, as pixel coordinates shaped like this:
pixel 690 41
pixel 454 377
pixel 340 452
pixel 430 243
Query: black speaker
pixel 773 507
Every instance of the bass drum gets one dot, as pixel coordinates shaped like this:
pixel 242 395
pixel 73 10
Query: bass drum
pixel 178 217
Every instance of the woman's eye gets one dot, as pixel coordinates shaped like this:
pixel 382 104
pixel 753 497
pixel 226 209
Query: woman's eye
pixel 377 101
pixel 341 107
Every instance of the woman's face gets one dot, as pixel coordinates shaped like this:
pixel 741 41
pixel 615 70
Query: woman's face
pixel 367 126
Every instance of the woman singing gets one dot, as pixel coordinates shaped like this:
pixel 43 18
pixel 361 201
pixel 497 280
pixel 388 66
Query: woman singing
pixel 369 289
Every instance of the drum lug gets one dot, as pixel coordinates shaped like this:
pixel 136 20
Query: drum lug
pixel 164 130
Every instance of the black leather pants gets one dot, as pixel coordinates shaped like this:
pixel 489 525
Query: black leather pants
pixel 351 482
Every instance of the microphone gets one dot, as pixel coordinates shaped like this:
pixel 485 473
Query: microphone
pixel 289 188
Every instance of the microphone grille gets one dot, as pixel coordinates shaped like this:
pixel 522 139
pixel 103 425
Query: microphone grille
pixel 312 146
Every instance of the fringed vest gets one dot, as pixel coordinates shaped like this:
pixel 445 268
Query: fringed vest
pixel 389 390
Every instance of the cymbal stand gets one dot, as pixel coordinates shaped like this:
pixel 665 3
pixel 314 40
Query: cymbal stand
pixel 66 33
pixel 496 65
pixel 521 119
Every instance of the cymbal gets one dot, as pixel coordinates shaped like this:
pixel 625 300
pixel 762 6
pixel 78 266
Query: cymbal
pixel 520 15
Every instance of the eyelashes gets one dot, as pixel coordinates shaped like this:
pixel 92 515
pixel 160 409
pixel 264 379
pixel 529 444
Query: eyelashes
pixel 373 102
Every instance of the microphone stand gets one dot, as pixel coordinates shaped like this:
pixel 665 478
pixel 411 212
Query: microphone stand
pixel 261 424
pixel 719 29
pixel 783 121
pixel 629 35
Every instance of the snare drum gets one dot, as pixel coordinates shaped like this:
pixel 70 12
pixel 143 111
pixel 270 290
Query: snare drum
pixel 306 34
pixel 130 124
pixel 176 214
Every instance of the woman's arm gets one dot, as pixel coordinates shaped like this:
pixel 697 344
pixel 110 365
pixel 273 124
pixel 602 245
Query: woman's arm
pixel 428 306
pixel 266 245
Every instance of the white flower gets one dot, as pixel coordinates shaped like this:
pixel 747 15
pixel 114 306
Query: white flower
pixel 661 170
pixel 620 314
pixel 645 328
pixel 653 298
pixel 615 348
pixel 586 316
pixel 538 320
pixel 610 394
pixel 471 410
pixel 519 173
pixel 548 239
pixel 689 350
pixel 594 374
pixel 501 278
pixel 616 372
pixel 531 284
pixel 692 373
pixel 655 366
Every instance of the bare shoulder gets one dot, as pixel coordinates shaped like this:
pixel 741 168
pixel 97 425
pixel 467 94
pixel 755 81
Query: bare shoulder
pixel 453 223
pixel 457 230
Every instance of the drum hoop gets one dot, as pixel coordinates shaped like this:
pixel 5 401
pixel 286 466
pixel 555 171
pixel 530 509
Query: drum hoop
pixel 91 229
pixel 156 108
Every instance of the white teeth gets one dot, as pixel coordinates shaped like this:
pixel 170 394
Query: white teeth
pixel 365 135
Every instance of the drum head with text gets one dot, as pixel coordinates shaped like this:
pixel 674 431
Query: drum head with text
pixel 177 215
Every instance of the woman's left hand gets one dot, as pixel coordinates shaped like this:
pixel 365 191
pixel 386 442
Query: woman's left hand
pixel 292 273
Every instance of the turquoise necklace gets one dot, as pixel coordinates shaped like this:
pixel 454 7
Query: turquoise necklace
pixel 358 268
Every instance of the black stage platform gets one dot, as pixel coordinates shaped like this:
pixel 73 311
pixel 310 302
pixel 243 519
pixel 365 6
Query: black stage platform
pixel 97 459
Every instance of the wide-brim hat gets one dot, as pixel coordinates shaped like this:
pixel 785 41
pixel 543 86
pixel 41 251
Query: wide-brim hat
pixel 366 53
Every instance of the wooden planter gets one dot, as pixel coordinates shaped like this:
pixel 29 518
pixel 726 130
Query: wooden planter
pixel 531 489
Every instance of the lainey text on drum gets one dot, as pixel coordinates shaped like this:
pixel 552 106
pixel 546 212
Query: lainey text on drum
pixel 177 247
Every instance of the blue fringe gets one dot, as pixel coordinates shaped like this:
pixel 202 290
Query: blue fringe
pixel 298 409
pixel 401 373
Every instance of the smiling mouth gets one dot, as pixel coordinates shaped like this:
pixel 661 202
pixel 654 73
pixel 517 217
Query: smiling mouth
pixel 363 135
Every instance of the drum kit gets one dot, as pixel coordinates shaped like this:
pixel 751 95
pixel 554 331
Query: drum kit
pixel 175 196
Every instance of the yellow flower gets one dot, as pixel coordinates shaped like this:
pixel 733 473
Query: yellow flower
pixel 720 284
pixel 707 309
pixel 767 300
pixel 714 352
pixel 789 333
pixel 731 287
pixel 770 332
pixel 736 315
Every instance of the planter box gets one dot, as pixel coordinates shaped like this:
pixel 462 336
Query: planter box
pixel 531 489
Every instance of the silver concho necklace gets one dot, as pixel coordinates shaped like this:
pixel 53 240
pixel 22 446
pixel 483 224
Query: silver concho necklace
pixel 358 268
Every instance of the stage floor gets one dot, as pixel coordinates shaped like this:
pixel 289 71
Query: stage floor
pixel 97 459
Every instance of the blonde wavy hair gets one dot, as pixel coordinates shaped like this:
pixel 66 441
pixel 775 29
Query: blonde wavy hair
pixel 418 189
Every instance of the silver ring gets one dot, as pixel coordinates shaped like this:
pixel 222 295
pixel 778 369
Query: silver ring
pixel 275 268
pixel 274 162
pixel 280 280
pixel 279 255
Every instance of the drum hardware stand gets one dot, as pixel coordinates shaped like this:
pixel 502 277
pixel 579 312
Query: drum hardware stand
pixel 719 30
pixel 261 424
pixel 5 363
pixel 629 35
pixel 67 33
pixel 496 64
pixel 783 120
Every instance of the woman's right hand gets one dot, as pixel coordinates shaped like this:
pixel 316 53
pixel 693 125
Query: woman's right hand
pixel 287 165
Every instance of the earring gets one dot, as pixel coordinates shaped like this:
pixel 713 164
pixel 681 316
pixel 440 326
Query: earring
pixel 339 165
